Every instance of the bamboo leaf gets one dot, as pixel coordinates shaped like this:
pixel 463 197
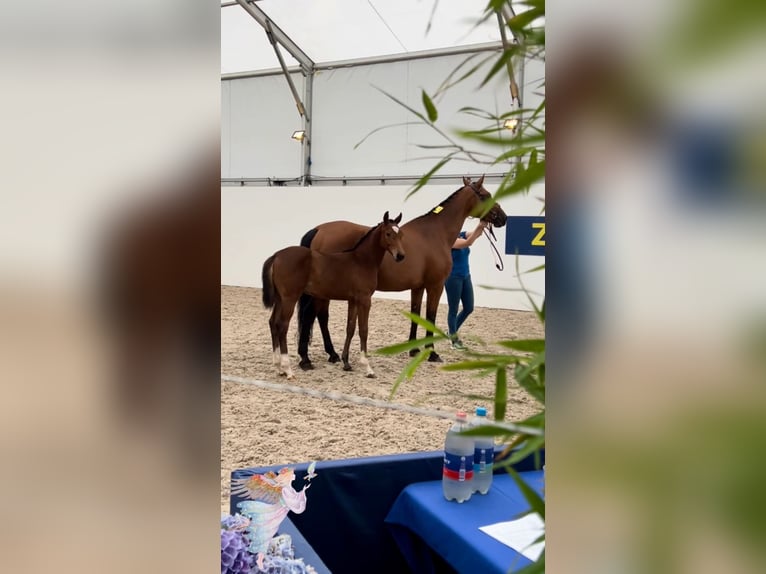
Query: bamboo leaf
pixel 409 370
pixel 536 269
pixel 424 180
pixel 515 152
pixel 535 502
pixel 381 128
pixel 529 445
pixel 501 393
pixel 425 323
pixel 449 83
pixel 505 428
pixel 480 364
pixel 499 64
pixel 430 107
pixel 443 146
pixel 520 22
pixel 523 377
pixel 523 180
pixel 525 345
pixel 536 567
pixel 401 103
pixel 407 346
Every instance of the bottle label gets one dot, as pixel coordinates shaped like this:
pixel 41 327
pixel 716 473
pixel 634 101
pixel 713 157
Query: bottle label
pixel 458 467
pixel 482 460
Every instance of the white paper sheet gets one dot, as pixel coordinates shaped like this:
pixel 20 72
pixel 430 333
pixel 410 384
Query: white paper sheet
pixel 519 534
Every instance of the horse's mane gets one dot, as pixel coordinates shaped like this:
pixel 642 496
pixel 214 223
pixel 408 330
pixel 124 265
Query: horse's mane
pixel 362 238
pixel 442 204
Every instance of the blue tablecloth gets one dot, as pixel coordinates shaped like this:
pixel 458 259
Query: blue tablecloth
pixel 422 520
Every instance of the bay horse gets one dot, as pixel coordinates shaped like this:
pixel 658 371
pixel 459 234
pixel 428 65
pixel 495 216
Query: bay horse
pixel 428 241
pixel 350 275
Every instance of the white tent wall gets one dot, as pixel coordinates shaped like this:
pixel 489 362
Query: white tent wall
pixel 533 91
pixel 258 115
pixel 348 105
pixel 257 221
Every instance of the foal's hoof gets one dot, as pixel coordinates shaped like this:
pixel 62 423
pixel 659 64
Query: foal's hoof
pixel 306 365
pixel 370 375
pixel 434 358
pixel 414 352
pixel 347 368
pixel 334 358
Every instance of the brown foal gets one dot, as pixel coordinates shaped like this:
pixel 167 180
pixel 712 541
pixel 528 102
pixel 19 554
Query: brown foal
pixel 351 275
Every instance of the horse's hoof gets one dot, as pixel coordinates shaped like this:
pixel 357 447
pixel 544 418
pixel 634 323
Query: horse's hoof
pixel 370 375
pixel 306 365
pixel 347 368
pixel 434 358
pixel 414 352
pixel 334 358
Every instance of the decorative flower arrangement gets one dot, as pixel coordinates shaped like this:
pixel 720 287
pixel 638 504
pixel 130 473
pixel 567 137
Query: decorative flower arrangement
pixel 248 544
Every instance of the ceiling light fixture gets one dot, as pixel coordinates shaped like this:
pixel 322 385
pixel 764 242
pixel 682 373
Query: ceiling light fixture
pixel 511 124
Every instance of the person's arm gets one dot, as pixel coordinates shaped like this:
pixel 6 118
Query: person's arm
pixel 461 243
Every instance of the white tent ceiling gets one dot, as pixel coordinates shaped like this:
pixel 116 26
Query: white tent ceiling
pixel 334 30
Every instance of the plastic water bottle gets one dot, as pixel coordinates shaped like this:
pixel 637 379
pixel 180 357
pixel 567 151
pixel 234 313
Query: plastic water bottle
pixel 483 455
pixel 457 475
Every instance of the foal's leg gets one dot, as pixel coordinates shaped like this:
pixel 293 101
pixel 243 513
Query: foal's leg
pixel 284 324
pixel 432 306
pixel 350 328
pixel 416 301
pixel 322 307
pixel 364 317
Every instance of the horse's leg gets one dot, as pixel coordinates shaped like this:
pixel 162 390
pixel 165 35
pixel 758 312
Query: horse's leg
pixel 364 318
pixel 306 316
pixel 284 324
pixel 323 315
pixel 350 328
pixel 274 328
pixel 416 301
pixel 432 306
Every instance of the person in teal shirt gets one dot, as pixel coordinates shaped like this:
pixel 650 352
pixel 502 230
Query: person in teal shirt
pixel 458 285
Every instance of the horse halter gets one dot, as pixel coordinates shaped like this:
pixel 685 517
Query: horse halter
pixel 477 190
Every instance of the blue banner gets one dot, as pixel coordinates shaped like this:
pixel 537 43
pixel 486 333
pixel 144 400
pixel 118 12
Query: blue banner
pixel 525 235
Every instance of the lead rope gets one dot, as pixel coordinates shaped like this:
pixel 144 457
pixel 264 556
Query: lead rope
pixel 490 235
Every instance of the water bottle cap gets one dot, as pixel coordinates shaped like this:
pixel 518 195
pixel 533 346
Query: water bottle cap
pixel 481 412
pixel 462 415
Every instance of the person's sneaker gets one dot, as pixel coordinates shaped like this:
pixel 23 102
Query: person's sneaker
pixel 457 344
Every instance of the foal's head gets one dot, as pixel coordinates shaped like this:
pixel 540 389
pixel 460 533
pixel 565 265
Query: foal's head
pixel 496 216
pixel 391 236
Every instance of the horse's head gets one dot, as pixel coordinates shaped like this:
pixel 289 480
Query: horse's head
pixel 496 216
pixel 391 236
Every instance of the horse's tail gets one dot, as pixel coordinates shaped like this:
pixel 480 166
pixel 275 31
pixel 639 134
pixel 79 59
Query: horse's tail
pixel 268 282
pixel 306 313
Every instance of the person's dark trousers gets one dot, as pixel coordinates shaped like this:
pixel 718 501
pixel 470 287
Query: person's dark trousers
pixel 459 290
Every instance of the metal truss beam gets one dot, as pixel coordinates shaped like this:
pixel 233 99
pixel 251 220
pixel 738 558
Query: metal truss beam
pixel 284 40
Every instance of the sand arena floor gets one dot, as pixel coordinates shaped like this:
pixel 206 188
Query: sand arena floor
pixel 263 427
